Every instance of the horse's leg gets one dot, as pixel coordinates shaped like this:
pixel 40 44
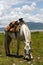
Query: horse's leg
pixel 18 42
pixel 7 43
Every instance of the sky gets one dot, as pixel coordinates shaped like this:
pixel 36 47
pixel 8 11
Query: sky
pixel 29 10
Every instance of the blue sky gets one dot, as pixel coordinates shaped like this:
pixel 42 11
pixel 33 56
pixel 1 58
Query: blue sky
pixel 29 10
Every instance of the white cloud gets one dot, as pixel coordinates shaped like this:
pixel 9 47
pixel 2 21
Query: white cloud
pixel 7 13
pixel 1 9
pixel 35 18
pixel 33 4
pixel 41 9
pixel 28 8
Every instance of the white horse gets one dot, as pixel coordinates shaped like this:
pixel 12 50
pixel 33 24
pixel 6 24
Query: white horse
pixel 24 33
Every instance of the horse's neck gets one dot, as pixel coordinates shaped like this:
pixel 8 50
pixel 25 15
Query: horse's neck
pixel 22 29
pixel 24 26
pixel 25 30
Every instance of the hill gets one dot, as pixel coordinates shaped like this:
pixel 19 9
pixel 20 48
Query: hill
pixel 2 29
pixel 32 26
pixel 35 26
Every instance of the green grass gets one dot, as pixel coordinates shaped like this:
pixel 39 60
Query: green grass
pixel 37 51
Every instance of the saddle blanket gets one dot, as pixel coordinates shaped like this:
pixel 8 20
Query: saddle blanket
pixel 12 27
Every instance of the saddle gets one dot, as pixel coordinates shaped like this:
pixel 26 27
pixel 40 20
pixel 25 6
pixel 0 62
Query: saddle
pixel 13 27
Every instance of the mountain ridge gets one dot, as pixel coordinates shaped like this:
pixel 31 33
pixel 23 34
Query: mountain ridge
pixel 31 25
pixel 35 26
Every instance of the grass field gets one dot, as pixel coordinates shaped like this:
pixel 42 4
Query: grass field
pixel 37 51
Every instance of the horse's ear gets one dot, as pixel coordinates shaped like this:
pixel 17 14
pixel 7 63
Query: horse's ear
pixel 20 19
